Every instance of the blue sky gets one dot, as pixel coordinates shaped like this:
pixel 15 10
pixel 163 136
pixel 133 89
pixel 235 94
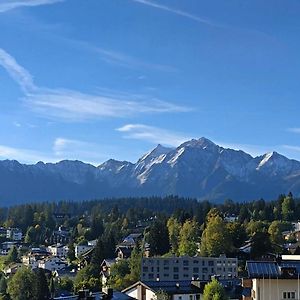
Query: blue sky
pixel 100 79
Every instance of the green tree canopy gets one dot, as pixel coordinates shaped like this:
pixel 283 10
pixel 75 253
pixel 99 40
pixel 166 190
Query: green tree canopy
pixel 22 286
pixel 215 238
pixel 214 291
pixel 174 227
pixel 275 230
pixel 189 238
pixel 157 233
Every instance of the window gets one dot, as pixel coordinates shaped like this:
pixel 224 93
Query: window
pixel 175 276
pixel 195 261
pixel 145 269
pixel 191 297
pixel 166 268
pixel 185 262
pixel 289 295
pixel 195 270
pixel 166 262
pixel 210 263
pixel 185 268
pixel 166 275
pixel 203 262
pixel 175 269
pixel 204 270
pixel 186 275
pixel 151 276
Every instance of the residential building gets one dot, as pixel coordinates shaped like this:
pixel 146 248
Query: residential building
pixel 272 280
pixel 58 250
pixel 123 252
pixel 176 290
pixel 80 249
pixel 52 264
pixel 14 234
pixel 188 268
pixel 33 258
pixel 6 246
pixel 105 270
pixel 12 269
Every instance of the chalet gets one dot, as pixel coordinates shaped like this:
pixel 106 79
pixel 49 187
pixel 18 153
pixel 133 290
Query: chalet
pixel 105 270
pixel 176 290
pixel 123 252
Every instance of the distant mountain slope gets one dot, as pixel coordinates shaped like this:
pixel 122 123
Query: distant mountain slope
pixel 197 168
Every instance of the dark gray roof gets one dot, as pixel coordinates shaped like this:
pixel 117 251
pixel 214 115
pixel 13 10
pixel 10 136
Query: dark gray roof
pixel 273 269
pixel 173 287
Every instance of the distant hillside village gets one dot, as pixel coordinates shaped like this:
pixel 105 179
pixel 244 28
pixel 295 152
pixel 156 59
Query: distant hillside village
pixel 151 248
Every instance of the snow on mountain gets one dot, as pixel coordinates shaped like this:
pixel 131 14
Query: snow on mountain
pixel 197 168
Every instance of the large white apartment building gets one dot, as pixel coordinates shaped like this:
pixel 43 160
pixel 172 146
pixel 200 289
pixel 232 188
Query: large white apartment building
pixel 188 268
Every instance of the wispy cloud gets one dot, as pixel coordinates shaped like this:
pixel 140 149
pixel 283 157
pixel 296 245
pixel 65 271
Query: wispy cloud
pixel 6 5
pixel 16 71
pixel 153 134
pixel 118 58
pixel 294 130
pixel 290 147
pixel 177 12
pixel 75 106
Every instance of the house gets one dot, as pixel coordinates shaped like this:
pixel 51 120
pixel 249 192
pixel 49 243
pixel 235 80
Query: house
pixel 230 218
pixel 52 264
pixel 274 280
pixel 6 246
pixel 176 290
pixel 14 234
pixel 123 252
pixel 12 269
pixel 188 268
pixel 33 258
pixel 132 239
pixel 68 271
pixel 3 231
pixel 105 270
pixel 62 236
pixel 81 249
pixel 58 250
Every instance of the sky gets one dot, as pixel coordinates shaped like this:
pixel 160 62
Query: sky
pixel 99 79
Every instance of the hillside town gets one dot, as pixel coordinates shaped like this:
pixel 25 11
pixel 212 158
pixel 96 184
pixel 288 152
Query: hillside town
pixel 159 256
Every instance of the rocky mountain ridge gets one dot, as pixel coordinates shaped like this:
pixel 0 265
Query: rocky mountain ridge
pixel 197 168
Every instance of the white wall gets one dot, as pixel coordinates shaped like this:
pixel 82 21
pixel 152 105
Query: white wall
pixel 272 289
pixel 133 293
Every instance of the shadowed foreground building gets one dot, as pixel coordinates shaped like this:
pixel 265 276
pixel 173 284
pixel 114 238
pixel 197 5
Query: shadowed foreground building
pixel 272 280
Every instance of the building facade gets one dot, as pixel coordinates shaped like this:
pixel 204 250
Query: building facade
pixel 272 280
pixel 188 268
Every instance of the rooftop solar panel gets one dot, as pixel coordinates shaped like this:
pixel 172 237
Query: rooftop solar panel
pixel 263 269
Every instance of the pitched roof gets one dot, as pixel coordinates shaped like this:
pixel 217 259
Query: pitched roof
pixel 170 287
pixel 273 269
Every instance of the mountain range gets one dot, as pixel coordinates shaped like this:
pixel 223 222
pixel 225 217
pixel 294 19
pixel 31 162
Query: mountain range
pixel 197 168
